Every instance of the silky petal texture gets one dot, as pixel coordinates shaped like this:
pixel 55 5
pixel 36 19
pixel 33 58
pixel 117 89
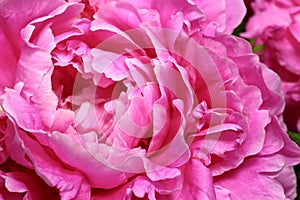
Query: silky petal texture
pixel 252 172
pixel 197 182
pixel 221 17
pixel 98 174
pixel 38 89
pixel 15 146
pixel 253 102
pixel 26 115
pixel 226 14
pixel 288 180
pixel 34 50
pixel 70 184
pixel 7 71
pixel 141 100
pixel 255 29
pixel 33 72
pixel 14 15
pixel 28 183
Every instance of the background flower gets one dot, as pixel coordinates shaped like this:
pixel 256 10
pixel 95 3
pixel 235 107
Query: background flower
pixel 280 39
pixel 127 99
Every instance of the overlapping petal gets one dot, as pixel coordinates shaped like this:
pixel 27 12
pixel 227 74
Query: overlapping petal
pixel 140 100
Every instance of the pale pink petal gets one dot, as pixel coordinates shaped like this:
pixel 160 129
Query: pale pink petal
pixel 98 174
pixel 26 115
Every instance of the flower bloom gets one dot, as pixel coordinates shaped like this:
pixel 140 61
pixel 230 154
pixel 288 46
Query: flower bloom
pixel 138 100
pixel 280 37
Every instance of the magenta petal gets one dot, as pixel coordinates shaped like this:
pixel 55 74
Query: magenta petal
pixel 180 111
pixel 251 172
pixel 15 146
pixel 11 25
pixel 225 15
pixel 197 182
pixel 235 12
pixel 26 115
pixel 28 184
pixel 63 119
pixel 8 65
pixel 31 72
pixel 69 183
pixel 288 180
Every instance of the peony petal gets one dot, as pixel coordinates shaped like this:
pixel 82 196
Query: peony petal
pixel 30 184
pixel 249 173
pixel 70 184
pixel 99 174
pixel 197 182
pixel 14 15
pixel 26 115
pixel 288 180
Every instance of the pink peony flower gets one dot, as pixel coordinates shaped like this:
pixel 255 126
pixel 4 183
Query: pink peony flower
pixel 280 37
pixel 138 100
